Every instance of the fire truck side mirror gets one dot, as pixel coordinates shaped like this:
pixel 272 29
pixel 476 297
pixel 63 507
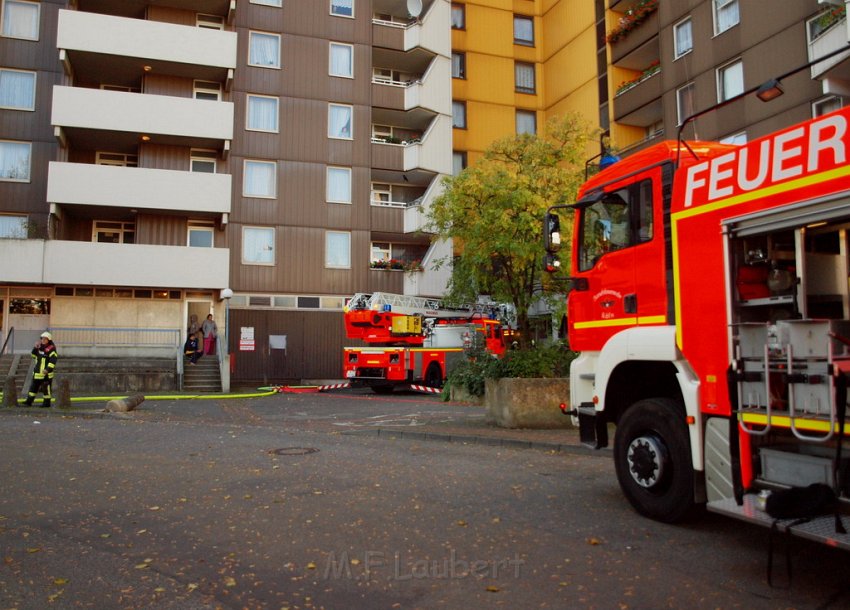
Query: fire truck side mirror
pixel 551 264
pixel 552 232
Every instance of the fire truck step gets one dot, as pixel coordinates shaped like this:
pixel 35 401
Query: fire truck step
pixel 819 529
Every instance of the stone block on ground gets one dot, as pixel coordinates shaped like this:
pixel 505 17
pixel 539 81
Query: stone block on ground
pixel 123 405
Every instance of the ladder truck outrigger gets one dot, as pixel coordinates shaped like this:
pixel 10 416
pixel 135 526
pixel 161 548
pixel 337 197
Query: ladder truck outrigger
pixel 414 341
pixel 709 302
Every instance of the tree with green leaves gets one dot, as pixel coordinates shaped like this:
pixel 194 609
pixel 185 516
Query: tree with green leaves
pixel 493 211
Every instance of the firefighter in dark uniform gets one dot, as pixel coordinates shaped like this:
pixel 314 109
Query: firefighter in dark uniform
pixel 45 355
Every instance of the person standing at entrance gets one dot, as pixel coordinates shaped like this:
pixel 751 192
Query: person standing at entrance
pixel 210 330
pixel 45 355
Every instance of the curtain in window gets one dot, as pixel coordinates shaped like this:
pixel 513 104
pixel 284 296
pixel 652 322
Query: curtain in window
pixel 339 184
pixel 265 50
pixel 458 114
pixel 17 89
pixel 457 17
pixel 727 14
pixel 684 40
pixel 523 29
pixel 14 227
pixel 685 99
pixel 524 77
pixel 15 161
pixel 258 245
pixel 526 122
pixel 259 179
pixel 732 80
pixel 339 121
pixel 342 7
pixel 337 249
pixel 341 60
pixel 20 20
pixel 262 113
pixel 457 65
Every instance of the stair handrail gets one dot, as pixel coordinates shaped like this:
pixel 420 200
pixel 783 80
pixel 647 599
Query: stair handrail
pixel 11 336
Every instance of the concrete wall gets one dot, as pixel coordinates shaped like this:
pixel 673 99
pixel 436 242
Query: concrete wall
pixel 527 403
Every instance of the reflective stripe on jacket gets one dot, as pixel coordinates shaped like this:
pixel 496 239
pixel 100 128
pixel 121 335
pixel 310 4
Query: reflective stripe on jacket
pixel 45 358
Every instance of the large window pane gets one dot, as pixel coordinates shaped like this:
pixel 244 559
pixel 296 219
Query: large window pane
pixel 685 102
pixel 459 115
pixel 458 65
pixel 257 246
pixel 458 17
pixel 343 8
pixel 260 179
pixel 523 30
pixel 526 122
pixel 339 121
pixel 20 19
pixel 338 249
pixel 726 15
pixel 15 161
pixel 730 81
pixel 262 113
pixel 524 74
pixel 14 227
pixel 458 162
pixel 342 60
pixel 338 188
pixel 17 90
pixel 264 50
pixel 682 37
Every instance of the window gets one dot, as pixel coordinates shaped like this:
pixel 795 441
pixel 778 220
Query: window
pixel 338 249
pixel 17 89
pixel 264 50
pixel 458 16
pixel 13 227
pixel 206 90
pixel 619 220
pixel 730 80
pixel 341 60
pixel 524 77
pixel 725 15
pixel 20 19
pixel 526 122
pixel 262 113
pixel 826 105
pixel 736 138
pixel 260 179
pixel 202 160
pixel 268 2
pixel 117 159
pixel 200 235
pixel 458 162
pixel 15 161
pixel 382 193
pixel 380 251
pixel 342 8
pixel 108 232
pixel 685 102
pixel 257 246
pixel 338 185
pixel 683 41
pixel 523 30
pixel 458 65
pixel 339 121
pixel 459 115
pixel 210 22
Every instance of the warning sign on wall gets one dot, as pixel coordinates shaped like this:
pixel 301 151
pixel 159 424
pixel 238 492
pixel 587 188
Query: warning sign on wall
pixel 246 339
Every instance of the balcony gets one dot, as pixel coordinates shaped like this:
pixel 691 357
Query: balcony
pixel 100 119
pixel 430 32
pixel 208 7
pixel 104 46
pixel 427 92
pixel 138 188
pixel 640 103
pixel 639 46
pixel 79 262
pixel 432 153
pixel 835 71
pixel 431 281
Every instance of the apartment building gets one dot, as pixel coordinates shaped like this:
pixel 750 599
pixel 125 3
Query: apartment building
pixel 669 60
pixel 261 160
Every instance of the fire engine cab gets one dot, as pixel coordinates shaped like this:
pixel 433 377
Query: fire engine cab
pixel 414 340
pixel 709 300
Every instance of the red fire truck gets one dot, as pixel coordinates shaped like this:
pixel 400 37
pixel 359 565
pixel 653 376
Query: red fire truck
pixel 413 340
pixel 709 300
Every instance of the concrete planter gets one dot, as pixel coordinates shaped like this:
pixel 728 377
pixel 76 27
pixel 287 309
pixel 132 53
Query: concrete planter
pixel 527 403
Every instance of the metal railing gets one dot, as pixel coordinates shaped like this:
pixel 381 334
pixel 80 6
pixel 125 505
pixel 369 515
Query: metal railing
pixel 9 337
pixel 87 336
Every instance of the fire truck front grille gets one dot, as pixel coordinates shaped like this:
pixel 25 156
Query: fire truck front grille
pixel 371 373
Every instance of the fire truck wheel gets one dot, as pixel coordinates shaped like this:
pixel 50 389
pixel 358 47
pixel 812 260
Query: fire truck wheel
pixel 434 376
pixel 652 457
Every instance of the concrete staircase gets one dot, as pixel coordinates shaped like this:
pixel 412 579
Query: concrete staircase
pixel 203 377
pixel 16 365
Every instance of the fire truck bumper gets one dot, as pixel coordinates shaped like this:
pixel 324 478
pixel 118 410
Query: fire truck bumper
pixel 592 429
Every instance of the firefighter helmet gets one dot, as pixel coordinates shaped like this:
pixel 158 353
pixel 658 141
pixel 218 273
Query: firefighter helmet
pixel 47 336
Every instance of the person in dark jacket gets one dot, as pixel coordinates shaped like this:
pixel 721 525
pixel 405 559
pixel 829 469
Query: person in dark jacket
pixel 191 349
pixel 45 355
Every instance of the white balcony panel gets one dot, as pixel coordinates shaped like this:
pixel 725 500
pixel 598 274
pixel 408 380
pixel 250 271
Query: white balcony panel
pixel 136 187
pixel 21 260
pixel 75 107
pixel 434 32
pixel 430 92
pixel 431 282
pixel 90 263
pixel 434 152
pixel 415 216
pixel 831 40
pixel 150 40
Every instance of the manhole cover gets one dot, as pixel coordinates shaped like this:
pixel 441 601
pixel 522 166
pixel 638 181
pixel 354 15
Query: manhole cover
pixel 293 451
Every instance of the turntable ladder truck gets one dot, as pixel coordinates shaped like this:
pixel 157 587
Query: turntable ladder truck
pixel 709 301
